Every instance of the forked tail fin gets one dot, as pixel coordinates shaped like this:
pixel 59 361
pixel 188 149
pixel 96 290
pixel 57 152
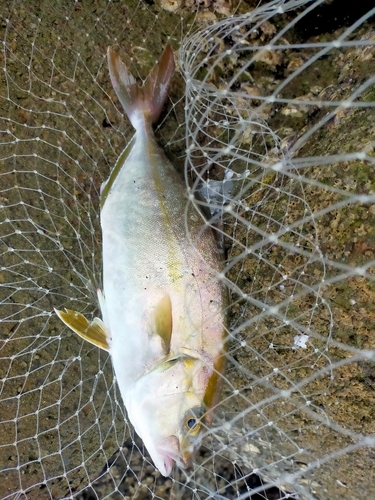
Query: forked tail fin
pixel 142 103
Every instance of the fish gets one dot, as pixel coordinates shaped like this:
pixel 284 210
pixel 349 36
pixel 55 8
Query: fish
pixel 163 300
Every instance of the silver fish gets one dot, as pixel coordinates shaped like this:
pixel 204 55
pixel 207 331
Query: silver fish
pixel 163 304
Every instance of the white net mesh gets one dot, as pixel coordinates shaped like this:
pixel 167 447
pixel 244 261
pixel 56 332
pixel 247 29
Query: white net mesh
pixel 276 130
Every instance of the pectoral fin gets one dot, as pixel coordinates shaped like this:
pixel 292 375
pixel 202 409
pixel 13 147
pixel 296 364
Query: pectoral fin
pixel 163 321
pixel 95 332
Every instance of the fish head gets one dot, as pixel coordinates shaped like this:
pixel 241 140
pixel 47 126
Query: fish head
pixel 167 410
pixel 180 446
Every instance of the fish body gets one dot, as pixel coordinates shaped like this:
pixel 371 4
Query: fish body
pixel 163 302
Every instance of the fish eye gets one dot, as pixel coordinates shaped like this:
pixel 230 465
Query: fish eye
pixel 193 425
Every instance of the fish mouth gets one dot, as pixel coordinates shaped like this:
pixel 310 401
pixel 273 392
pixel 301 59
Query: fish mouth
pixel 169 452
pixel 167 465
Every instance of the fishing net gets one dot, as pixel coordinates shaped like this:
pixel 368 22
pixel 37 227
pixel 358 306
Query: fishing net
pixel 271 119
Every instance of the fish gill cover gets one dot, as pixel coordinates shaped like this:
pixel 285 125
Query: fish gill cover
pixel 271 118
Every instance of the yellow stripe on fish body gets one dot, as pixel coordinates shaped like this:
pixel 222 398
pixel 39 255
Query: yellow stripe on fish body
pixel 174 265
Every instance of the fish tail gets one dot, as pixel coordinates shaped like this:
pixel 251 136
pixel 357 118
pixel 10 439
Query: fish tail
pixel 142 103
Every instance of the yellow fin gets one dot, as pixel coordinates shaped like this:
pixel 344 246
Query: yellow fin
pixel 94 332
pixel 163 321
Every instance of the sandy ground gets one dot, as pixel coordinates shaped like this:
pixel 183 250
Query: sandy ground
pixel 51 465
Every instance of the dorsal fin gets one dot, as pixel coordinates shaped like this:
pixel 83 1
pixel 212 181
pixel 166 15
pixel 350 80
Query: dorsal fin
pixel 94 331
pixel 163 321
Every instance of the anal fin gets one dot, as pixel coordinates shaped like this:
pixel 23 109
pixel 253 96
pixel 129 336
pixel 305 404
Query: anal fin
pixel 94 332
